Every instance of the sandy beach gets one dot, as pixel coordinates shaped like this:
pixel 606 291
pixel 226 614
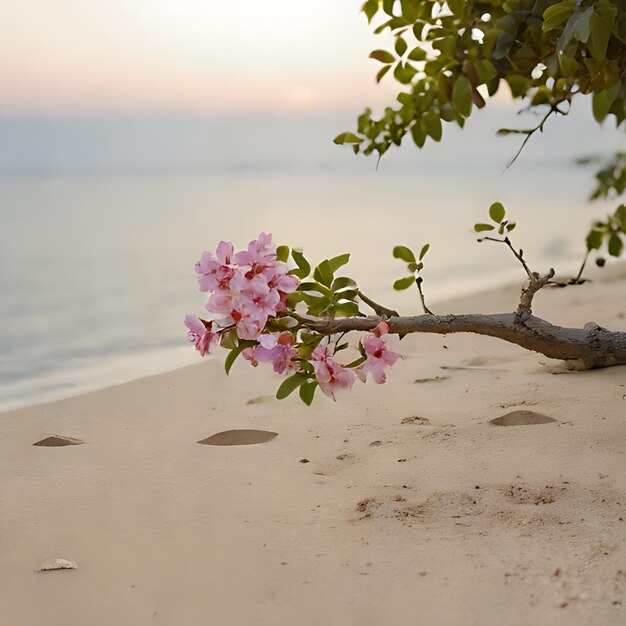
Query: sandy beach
pixel 399 504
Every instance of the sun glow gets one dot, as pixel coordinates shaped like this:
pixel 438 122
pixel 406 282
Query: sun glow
pixel 189 54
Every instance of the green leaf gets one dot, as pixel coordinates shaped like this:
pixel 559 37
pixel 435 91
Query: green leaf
pixel 290 385
pixel 602 101
pixel 485 70
pixel 510 226
pixel 343 138
pixel 616 245
pixel 462 95
pixel 370 8
pixel 497 212
pixel 338 261
pixel 479 228
pixel 518 84
pixel 594 239
pixel 557 14
pixel 342 282
pixel 313 286
pixel 403 283
pixel 346 294
pixel 599 37
pixel 404 73
pixel 228 339
pixel 383 56
pixel 578 26
pixel 323 273
pixel 424 250
pixel 357 362
pixel 347 309
pixel 307 391
pixel 417 54
pixel 304 267
pixel 432 124
pixel 403 253
pixel 235 352
pixel 400 46
pixel 282 253
pixel 418 132
pixel 382 72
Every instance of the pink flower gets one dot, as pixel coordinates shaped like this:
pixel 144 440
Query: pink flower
pixel 276 349
pixel 199 334
pixel 215 271
pixel 330 375
pixel 379 357
pixel 260 252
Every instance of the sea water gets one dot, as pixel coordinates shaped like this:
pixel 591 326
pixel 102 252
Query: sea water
pixel 102 219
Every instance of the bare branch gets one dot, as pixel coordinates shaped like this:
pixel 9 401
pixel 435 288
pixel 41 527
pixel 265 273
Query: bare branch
pixel 518 255
pixel 530 132
pixel 524 310
pixel 591 346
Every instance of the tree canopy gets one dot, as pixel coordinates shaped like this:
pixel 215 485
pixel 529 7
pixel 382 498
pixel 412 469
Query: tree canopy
pixel 450 57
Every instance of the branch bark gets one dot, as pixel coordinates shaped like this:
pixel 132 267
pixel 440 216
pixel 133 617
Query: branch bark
pixel 591 346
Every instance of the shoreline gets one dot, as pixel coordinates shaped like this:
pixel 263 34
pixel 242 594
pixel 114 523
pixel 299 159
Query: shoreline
pixel 141 365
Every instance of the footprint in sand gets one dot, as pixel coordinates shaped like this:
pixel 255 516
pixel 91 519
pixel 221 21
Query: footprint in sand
pixel 261 400
pixel 55 441
pixel 480 363
pixel 415 419
pixel 239 438
pixel 521 418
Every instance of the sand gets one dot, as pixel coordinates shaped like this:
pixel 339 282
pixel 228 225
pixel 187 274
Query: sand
pixel 353 514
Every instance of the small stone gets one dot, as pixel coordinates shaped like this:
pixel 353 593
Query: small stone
pixel 304 461
pixel 55 563
pixel 55 441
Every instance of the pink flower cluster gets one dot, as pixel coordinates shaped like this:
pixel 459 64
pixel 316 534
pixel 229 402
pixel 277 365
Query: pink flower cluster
pixel 333 377
pixel 378 354
pixel 246 288
pixel 276 349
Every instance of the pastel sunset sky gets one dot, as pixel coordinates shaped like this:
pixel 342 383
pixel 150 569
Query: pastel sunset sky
pixel 187 55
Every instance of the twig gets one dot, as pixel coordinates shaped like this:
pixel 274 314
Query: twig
pixel 519 256
pixel 379 309
pixel 419 280
pixel 582 268
pixel 531 131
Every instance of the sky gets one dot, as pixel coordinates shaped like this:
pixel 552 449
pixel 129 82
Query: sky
pixel 186 55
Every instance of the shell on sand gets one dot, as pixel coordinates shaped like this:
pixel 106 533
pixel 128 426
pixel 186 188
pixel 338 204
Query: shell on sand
pixel 239 437
pixel 55 563
pixel 521 418
pixel 57 440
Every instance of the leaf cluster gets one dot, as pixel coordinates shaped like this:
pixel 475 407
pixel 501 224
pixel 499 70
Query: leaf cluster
pixel 610 232
pixel 324 294
pixel 497 213
pixel 448 57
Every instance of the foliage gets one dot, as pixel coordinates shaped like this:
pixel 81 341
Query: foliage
pixel 450 57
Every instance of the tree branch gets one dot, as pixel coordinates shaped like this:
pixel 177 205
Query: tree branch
pixel 592 346
pixel 524 309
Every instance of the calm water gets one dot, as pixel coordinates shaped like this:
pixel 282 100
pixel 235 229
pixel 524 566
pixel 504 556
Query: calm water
pixel 101 221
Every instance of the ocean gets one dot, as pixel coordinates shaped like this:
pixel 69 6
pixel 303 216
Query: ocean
pixel 102 218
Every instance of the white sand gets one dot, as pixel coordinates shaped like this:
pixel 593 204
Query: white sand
pixel 453 522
